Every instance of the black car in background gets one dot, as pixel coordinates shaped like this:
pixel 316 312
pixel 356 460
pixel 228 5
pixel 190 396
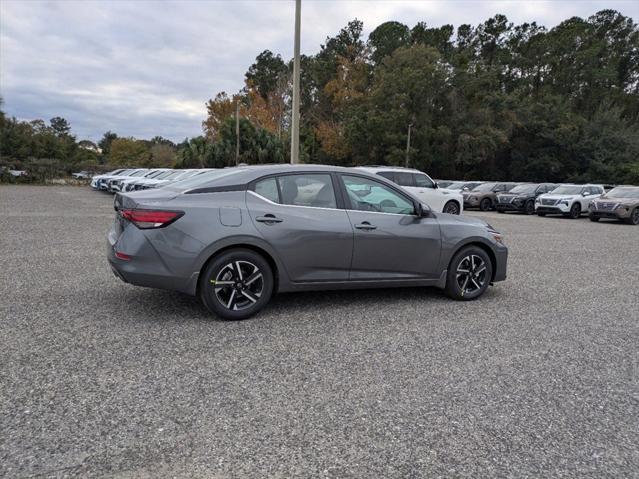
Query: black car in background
pixel 522 198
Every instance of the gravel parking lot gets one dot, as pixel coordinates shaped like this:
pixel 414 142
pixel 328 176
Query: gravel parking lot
pixel 540 377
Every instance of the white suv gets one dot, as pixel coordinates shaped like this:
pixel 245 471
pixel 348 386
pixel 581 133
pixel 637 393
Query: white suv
pixel 422 186
pixel 568 200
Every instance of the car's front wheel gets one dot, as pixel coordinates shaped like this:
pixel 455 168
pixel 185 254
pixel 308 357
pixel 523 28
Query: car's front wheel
pixel 634 217
pixel 529 208
pixel 469 274
pixel 575 211
pixel 485 204
pixel 452 208
pixel 237 284
pixel 594 218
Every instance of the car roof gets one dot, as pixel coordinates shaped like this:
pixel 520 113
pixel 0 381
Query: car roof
pixel 242 175
pixel 397 169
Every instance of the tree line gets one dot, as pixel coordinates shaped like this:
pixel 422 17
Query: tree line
pixel 492 101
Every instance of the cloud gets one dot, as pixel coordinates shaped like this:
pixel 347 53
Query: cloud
pixel 146 68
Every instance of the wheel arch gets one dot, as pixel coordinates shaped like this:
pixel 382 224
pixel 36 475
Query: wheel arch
pixel 251 244
pixel 480 244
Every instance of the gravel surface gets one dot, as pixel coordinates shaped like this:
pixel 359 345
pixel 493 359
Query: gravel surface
pixel 540 377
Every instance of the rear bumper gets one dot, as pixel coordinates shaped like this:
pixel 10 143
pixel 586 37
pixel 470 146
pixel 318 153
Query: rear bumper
pixel 145 268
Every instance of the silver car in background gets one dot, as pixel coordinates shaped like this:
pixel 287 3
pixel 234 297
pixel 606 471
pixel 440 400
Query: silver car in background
pixel 236 236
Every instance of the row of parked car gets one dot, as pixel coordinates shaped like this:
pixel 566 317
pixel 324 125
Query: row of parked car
pixel 135 179
pixel 569 200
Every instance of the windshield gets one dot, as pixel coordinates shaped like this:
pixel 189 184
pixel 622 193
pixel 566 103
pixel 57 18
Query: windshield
pixel 166 174
pixel 524 189
pixel 123 173
pixel 154 174
pixel 457 185
pixel 203 179
pixel 567 190
pixel 623 192
pixel 139 173
pixel 485 187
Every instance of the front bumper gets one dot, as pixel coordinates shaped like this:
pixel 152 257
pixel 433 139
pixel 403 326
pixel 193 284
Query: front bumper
pixel 550 210
pixel 617 214
pixel 501 263
pixel 471 203
pixel 510 206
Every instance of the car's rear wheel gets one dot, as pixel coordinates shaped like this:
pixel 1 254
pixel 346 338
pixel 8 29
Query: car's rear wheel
pixel 634 217
pixel 485 204
pixel 575 211
pixel 452 208
pixel 237 284
pixel 469 274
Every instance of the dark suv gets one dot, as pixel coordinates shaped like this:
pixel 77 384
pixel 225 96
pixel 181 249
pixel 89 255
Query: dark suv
pixel 522 198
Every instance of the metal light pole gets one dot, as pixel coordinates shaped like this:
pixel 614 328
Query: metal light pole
pixel 295 123
pixel 410 125
pixel 237 132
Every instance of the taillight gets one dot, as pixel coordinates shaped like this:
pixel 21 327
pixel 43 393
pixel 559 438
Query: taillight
pixel 148 219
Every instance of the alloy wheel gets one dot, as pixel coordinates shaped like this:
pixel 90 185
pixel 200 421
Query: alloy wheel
pixel 635 216
pixel 575 211
pixel 451 208
pixel 238 285
pixel 471 274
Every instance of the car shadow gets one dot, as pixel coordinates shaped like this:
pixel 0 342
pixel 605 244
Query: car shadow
pixel 163 305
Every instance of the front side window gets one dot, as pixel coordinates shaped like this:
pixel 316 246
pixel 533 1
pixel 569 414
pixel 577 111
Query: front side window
pixel 369 195
pixel 404 179
pixel 423 181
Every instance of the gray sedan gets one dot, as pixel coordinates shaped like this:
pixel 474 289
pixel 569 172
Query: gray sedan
pixel 236 236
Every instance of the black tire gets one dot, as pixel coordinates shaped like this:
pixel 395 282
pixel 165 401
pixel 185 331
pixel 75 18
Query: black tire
pixel 634 217
pixel 539 213
pixel 575 211
pixel 529 207
pixel 452 208
pixel 240 297
pixel 501 211
pixel 468 286
pixel 594 219
pixel 485 204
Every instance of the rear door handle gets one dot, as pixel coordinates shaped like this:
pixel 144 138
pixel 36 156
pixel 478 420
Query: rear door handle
pixel 365 225
pixel 268 218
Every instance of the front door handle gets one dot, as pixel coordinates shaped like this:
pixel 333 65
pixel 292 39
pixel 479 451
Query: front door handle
pixel 269 219
pixel 365 225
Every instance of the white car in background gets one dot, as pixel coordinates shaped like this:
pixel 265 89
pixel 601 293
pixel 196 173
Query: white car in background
pixel 165 179
pixel 569 200
pixel 422 186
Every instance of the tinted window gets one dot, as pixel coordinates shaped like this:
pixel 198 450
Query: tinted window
pixel 389 175
pixel 369 195
pixel 314 190
pixel 404 179
pixel 423 181
pixel 268 189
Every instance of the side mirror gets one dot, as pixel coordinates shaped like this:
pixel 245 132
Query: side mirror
pixel 423 210
pixel 585 193
pixel 435 185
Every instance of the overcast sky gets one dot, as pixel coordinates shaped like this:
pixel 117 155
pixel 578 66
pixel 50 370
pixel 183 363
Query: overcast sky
pixel 145 68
